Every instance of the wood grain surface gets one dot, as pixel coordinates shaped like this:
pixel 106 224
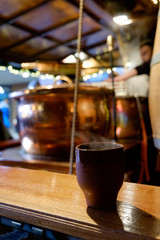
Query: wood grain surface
pixel 55 201
pixel 9 143
pixel 14 157
pixel 11 155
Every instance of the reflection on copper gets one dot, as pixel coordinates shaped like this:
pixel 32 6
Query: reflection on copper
pixel 25 111
pixel 118 131
pixel 27 143
pixel 127 117
pixel 119 106
pixel 45 118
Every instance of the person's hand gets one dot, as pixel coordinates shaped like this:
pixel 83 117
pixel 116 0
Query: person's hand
pixel 116 79
pixel 108 80
pixel 119 78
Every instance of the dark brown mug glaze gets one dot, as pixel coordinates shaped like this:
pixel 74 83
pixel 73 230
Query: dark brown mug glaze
pixel 100 172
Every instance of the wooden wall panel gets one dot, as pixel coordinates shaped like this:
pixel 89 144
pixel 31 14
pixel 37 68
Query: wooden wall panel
pixel 10 35
pixel 10 8
pixel 33 46
pixel 70 30
pixel 51 14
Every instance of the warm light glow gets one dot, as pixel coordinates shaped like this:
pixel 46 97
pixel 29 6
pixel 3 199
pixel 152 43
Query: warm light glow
pixel 25 74
pixel 101 72
pixel 42 77
pixel 82 56
pixel 114 69
pixel 58 77
pixel 154 1
pixel 33 74
pixel 29 65
pixel 26 91
pixel 49 87
pixel 109 71
pixel 110 42
pixel 37 74
pixel 49 76
pixel 128 64
pixel 2 68
pixel 122 20
pixel 90 63
pixel 16 72
pixel 10 67
pixel 27 143
pixel 1 90
pixel 25 111
pixel 119 107
pixel 94 75
pixel 86 77
pixel 70 59
pixel 118 130
pixel 87 64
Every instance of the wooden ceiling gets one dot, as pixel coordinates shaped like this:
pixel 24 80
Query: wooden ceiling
pixel 46 30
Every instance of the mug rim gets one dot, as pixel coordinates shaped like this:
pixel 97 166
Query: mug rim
pixel 117 146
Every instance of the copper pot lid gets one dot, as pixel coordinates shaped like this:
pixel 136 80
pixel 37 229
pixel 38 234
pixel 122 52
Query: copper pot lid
pixel 64 88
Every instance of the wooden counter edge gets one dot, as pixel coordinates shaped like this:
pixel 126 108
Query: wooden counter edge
pixel 65 225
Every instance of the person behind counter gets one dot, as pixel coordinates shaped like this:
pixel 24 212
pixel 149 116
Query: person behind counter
pixel 146 48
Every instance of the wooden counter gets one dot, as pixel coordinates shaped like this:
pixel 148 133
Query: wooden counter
pixel 9 143
pixel 55 201
pixel 11 155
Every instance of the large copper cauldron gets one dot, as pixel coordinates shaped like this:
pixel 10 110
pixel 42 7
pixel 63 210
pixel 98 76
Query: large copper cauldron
pixel 45 117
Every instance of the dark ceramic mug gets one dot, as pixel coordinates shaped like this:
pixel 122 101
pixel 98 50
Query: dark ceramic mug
pixel 100 172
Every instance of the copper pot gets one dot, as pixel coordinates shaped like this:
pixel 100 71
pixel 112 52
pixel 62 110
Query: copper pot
pixel 128 125
pixel 45 117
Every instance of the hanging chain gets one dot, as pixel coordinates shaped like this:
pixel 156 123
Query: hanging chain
pixel 77 77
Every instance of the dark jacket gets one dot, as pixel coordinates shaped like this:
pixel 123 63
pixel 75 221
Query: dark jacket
pixel 144 68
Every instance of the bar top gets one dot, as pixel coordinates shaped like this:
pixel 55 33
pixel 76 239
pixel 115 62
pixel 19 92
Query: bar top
pixel 9 143
pixel 55 201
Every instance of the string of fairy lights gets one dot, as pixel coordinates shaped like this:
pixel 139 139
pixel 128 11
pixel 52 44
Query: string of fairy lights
pixel 102 73
pixel 96 74
pixel 25 73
